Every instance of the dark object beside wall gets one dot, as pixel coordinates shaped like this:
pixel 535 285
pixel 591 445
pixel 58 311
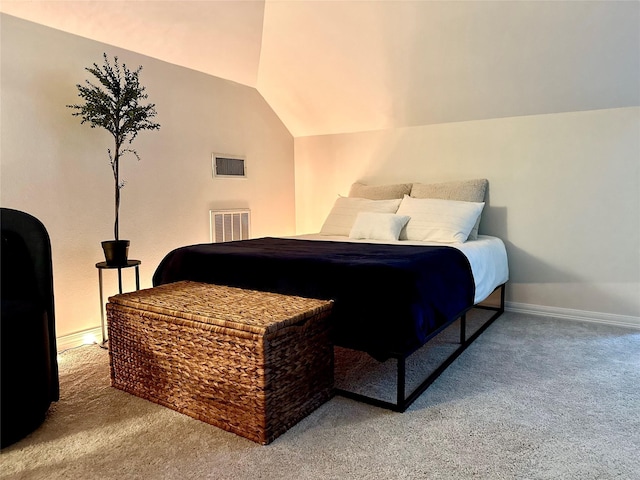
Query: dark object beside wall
pixel 29 368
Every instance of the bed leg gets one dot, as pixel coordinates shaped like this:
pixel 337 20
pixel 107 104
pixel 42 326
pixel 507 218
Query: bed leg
pixel 403 403
pixel 401 384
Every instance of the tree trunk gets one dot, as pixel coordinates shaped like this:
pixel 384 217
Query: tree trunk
pixel 116 174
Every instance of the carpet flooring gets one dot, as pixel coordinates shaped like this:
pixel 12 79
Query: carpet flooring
pixel 532 398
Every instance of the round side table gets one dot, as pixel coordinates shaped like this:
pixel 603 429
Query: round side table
pixel 103 266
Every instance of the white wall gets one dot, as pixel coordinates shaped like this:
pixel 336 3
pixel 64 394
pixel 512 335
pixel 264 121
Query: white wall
pixel 58 170
pixel 564 194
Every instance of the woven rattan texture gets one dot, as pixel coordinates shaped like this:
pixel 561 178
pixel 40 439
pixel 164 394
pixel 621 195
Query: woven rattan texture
pixel 247 310
pixel 252 384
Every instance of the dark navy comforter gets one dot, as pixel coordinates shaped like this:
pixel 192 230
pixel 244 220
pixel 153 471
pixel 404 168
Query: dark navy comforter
pixel 388 298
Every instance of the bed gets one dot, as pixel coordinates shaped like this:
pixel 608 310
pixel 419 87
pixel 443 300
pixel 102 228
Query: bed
pixel 394 287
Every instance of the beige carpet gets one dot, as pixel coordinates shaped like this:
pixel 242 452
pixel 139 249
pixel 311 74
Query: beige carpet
pixel 532 398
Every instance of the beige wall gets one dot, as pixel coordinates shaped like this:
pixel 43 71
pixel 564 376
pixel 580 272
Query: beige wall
pixel 564 194
pixel 564 188
pixel 58 170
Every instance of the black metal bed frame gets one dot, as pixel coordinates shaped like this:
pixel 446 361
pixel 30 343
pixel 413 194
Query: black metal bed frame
pixel 404 401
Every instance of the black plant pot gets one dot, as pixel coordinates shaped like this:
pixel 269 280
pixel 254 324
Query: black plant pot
pixel 116 252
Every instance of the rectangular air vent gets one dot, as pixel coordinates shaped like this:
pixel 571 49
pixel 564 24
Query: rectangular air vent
pixel 228 165
pixel 228 225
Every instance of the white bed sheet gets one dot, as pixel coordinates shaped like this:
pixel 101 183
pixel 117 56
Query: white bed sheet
pixel 487 256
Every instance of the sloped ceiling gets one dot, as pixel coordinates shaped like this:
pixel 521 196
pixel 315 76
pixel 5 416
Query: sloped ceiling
pixel 221 38
pixel 342 66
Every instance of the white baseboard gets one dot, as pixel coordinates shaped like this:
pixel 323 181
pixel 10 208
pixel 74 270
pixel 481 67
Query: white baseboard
pixel 577 315
pixel 84 337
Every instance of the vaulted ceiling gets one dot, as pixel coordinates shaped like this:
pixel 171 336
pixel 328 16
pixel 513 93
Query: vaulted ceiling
pixel 342 66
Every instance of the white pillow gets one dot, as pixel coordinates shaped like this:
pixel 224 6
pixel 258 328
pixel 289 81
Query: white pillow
pixel 346 209
pixel 378 226
pixel 446 221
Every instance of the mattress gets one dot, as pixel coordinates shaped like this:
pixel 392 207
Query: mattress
pixel 487 257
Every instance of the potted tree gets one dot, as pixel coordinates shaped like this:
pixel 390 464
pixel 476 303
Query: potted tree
pixel 115 105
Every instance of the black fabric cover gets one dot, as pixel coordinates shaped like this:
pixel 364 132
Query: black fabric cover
pixel 388 298
pixel 29 368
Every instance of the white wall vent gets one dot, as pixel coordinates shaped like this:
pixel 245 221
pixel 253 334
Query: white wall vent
pixel 228 225
pixel 228 165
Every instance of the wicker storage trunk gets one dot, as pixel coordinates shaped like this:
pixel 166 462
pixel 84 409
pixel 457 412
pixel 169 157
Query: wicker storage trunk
pixel 253 363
